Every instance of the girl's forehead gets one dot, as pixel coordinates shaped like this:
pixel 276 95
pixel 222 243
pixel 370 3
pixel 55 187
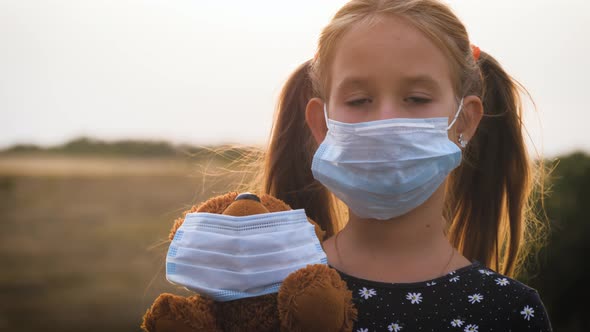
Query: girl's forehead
pixel 390 48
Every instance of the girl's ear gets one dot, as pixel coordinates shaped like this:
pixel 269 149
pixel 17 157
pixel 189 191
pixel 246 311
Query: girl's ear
pixel 314 116
pixel 470 116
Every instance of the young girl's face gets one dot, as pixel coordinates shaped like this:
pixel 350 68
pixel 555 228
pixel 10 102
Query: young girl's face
pixel 389 70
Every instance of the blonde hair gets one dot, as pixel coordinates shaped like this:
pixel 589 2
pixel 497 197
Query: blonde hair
pixel 488 198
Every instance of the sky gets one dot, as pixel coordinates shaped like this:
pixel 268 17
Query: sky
pixel 209 72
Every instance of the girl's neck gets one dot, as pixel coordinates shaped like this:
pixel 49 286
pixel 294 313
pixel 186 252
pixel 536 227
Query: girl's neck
pixel 409 248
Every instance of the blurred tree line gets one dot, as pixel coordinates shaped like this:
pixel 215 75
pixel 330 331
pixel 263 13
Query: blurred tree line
pixel 85 146
pixel 560 276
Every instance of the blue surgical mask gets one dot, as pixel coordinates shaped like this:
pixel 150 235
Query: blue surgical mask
pixel 386 168
pixel 228 258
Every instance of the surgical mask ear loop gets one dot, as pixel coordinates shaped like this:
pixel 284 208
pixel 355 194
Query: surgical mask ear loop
pixel 326 115
pixel 456 114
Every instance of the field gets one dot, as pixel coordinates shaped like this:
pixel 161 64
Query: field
pixel 83 240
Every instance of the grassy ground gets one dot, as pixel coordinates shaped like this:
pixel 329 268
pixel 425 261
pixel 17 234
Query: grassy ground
pixel 83 240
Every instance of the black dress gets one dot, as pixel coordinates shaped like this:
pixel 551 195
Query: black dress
pixel 470 299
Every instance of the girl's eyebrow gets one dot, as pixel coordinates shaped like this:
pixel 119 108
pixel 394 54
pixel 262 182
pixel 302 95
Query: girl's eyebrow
pixel 352 82
pixel 422 79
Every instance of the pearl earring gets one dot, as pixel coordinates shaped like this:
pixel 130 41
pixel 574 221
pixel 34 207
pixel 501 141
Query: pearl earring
pixel 462 141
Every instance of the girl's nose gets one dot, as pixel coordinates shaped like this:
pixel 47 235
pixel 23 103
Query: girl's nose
pixel 388 110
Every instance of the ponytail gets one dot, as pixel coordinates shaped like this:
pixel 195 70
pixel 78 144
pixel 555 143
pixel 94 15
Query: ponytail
pixel 488 195
pixel 287 174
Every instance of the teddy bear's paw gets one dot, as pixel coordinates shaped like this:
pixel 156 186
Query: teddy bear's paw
pixel 181 314
pixel 315 298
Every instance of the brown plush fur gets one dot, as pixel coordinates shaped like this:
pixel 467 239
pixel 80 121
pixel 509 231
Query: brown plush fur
pixel 317 286
pixel 250 314
pixel 176 313
pixel 313 298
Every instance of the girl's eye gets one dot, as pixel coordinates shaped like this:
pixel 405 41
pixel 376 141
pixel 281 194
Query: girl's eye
pixel 358 102
pixel 417 100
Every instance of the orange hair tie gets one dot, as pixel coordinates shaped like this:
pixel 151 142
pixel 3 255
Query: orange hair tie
pixel 476 52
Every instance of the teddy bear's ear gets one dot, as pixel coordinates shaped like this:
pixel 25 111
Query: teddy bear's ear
pixel 273 204
pixel 217 204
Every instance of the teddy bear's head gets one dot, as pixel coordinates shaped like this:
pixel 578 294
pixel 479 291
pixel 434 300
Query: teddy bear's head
pixel 312 297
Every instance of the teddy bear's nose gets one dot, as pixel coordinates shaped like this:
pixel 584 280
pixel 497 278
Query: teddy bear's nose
pixel 249 196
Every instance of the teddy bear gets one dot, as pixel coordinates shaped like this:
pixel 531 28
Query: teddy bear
pixel 311 298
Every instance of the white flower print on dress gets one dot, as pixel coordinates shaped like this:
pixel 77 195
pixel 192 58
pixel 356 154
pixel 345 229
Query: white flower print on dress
pixel 457 322
pixel 475 298
pixel 394 327
pixel 471 328
pixel 486 272
pixel 362 330
pixel 431 283
pixel 367 293
pixel 502 281
pixel 528 312
pixel 416 298
pixel 454 279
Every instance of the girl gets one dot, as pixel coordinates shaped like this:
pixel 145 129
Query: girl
pixel 419 134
